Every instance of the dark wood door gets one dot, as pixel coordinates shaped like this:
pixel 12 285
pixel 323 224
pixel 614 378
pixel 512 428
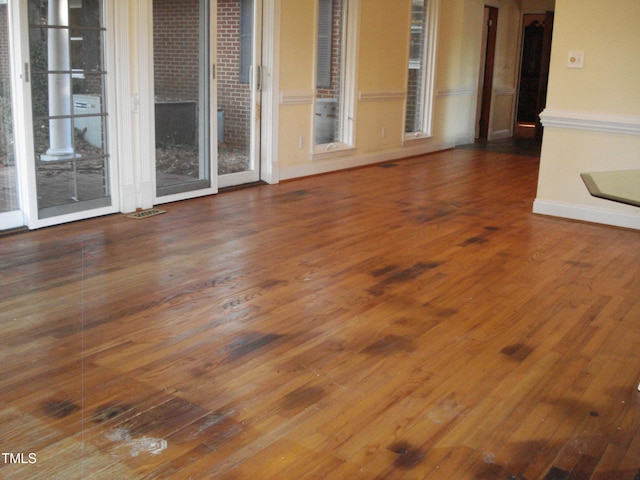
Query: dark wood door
pixel 487 88
pixel 534 73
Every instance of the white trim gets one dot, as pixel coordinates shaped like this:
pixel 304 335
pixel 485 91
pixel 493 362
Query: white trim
pixel 143 103
pixel 124 108
pixel 382 96
pixel 270 107
pixel 598 122
pixel 330 150
pixel 342 163
pixel 351 53
pixel 22 111
pixel 455 92
pixel 12 219
pixel 415 138
pixel 431 52
pixel 588 214
pixel 296 98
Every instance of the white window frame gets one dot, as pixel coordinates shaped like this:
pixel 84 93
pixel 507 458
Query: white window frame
pixel 346 145
pixel 428 77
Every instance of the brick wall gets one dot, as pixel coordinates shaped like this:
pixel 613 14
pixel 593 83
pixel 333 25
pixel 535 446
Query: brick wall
pixel 336 54
pixel 176 61
pixel 234 97
pixel 175 42
pixel 4 48
pixel 5 88
pixel 412 115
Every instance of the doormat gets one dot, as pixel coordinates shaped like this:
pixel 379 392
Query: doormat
pixel 146 213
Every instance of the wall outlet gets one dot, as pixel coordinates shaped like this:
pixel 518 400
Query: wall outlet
pixel 576 60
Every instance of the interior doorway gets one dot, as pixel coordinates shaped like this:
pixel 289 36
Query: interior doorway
pixel 537 31
pixel 485 87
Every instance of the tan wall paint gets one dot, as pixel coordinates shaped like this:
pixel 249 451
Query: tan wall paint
pixel 607 85
pixel 297 44
pixel 608 34
pixel 383 45
pixel 383 39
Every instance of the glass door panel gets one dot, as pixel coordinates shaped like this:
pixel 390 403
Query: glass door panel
pixel 9 204
pixel 69 111
pixel 238 78
pixel 181 85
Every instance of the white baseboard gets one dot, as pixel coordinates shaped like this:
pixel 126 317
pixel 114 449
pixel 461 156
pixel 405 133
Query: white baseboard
pixel 588 214
pixel 128 197
pixel 341 163
pixel 146 195
pixel 13 219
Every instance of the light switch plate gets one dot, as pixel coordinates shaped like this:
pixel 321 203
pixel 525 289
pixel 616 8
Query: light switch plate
pixel 576 60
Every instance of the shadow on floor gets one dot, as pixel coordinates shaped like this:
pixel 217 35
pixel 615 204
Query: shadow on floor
pixel 527 147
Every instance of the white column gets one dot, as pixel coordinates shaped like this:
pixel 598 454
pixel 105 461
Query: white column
pixel 60 129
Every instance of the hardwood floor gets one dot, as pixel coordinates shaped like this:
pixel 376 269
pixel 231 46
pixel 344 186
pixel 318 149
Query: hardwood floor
pixel 408 320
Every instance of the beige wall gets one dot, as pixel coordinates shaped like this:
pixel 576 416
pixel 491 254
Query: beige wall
pixel 592 121
pixel 382 53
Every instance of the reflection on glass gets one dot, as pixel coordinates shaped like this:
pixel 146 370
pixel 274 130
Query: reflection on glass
pixel 69 111
pixel 327 128
pixel 8 187
pixel 415 87
pixel 235 57
pixel 181 87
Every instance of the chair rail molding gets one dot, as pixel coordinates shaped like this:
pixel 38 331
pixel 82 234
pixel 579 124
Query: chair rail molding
pixel 598 122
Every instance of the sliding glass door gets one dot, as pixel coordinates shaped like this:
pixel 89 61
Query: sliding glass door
pixel 239 81
pixel 10 214
pixel 181 53
pixel 70 168
pixel 207 95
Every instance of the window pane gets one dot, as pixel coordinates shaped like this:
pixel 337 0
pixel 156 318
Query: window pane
pixel 8 190
pixel 415 87
pixel 329 82
pixel 69 107
pixel 181 55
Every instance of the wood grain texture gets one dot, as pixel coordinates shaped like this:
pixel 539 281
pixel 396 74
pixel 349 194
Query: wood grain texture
pixel 410 320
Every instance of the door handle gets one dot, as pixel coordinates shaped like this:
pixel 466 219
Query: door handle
pixel 259 78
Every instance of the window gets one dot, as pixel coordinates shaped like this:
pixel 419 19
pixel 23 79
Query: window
pixel 335 50
pixel 421 69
